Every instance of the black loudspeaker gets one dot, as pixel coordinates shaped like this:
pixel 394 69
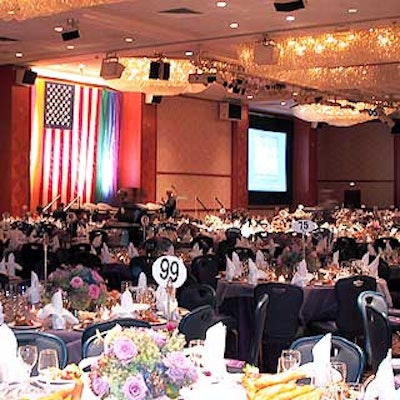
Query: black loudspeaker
pixel 156 99
pixel 25 77
pixel 352 198
pixel 70 35
pixel 159 70
pixel 396 129
pixel 288 6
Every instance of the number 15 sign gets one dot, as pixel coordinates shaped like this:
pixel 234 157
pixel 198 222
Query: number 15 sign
pixel 169 268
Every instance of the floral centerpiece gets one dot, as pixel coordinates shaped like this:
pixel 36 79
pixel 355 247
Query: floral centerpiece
pixel 141 364
pixel 84 287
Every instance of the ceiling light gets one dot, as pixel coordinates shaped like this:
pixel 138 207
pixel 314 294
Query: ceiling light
pixel 290 18
pixel 18 55
pixel 81 66
pixel 188 53
pixel 234 25
pixel 70 47
pixel 129 39
pixel 250 96
pixel 58 29
pixel 283 103
pixel 221 4
pixel 352 10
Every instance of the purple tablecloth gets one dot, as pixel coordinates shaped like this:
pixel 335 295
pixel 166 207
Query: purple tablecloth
pixel 73 340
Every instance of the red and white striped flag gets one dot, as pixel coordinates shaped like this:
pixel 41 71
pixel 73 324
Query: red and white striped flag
pixel 69 142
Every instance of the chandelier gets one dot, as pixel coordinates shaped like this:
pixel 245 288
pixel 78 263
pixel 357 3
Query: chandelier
pixel 135 77
pixel 26 9
pixel 358 63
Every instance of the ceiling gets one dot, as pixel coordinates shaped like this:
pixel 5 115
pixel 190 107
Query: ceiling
pixel 202 27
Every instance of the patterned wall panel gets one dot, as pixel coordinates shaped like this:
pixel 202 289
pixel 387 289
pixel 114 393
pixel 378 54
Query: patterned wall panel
pixel 191 137
pixel 359 152
pixel 193 151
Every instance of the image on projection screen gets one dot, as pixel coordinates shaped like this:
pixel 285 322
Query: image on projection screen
pixel 267 161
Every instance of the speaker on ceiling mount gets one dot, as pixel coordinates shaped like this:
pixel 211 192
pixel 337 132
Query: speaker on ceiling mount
pixel 288 6
pixel 159 70
pixel 25 77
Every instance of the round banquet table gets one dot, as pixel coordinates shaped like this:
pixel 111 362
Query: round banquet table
pixel 319 304
pixel 73 340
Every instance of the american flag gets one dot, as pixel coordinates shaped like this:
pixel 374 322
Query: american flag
pixel 69 142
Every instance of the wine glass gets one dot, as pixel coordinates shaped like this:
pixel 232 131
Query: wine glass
pixel 29 355
pixel 290 360
pixel 196 347
pixel 48 360
pixel 338 372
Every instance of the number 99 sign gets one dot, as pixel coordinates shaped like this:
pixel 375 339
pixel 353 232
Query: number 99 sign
pixel 169 268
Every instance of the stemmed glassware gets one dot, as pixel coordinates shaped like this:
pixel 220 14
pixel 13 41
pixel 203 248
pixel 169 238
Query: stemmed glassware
pixel 29 355
pixel 48 360
pixel 289 360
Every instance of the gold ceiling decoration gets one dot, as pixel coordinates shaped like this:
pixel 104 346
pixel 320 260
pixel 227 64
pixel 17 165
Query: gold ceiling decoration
pixel 362 64
pixel 351 48
pixel 135 77
pixel 26 9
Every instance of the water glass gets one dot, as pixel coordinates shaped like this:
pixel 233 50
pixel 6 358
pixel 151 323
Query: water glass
pixel 48 360
pixel 126 285
pixel 289 360
pixel 338 372
pixel 196 348
pixel 29 355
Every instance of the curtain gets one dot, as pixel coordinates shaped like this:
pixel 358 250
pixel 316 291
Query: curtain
pixel 108 146
pixel 67 122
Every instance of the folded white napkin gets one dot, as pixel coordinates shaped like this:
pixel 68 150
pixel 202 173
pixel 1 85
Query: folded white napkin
pixel 105 254
pixel 335 258
pixel 214 350
pixel 388 247
pixel 370 269
pixel 3 266
pixel 10 365
pixel 93 250
pixel 142 281
pixel 260 260
pixel 229 270
pixel 33 291
pixel 97 241
pixel 165 304
pixel 237 263
pixel 12 266
pixel 300 278
pixel 195 251
pixel 382 387
pixel 371 249
pixel 132 251
pixel 321 360
pixel 59 315
pixel 252 278
pixel 255 273
pixel 126 302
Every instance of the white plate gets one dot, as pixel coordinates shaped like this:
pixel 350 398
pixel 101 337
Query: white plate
pixel 35 325
pixel 56 381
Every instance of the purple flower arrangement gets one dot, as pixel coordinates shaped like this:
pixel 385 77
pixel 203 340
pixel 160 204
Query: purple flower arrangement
pixel 84 287
pixel 141 364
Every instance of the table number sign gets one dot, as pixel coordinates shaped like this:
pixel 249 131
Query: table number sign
pixel 169 269
pixel 304 226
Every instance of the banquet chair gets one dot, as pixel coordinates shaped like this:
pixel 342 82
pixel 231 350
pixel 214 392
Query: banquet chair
pixel 347 247
pixel 42 341
pixel 141 264
pixel 348 322
pixel 260 314
pixel 4 281
pixel 203 238
pixel 91 330
pixel 282 323
pixel 195 324
pixel 205 269
pixel 30 256
pixel 380 243
pixel 379 334
pixel 196 295
pixel 342 350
